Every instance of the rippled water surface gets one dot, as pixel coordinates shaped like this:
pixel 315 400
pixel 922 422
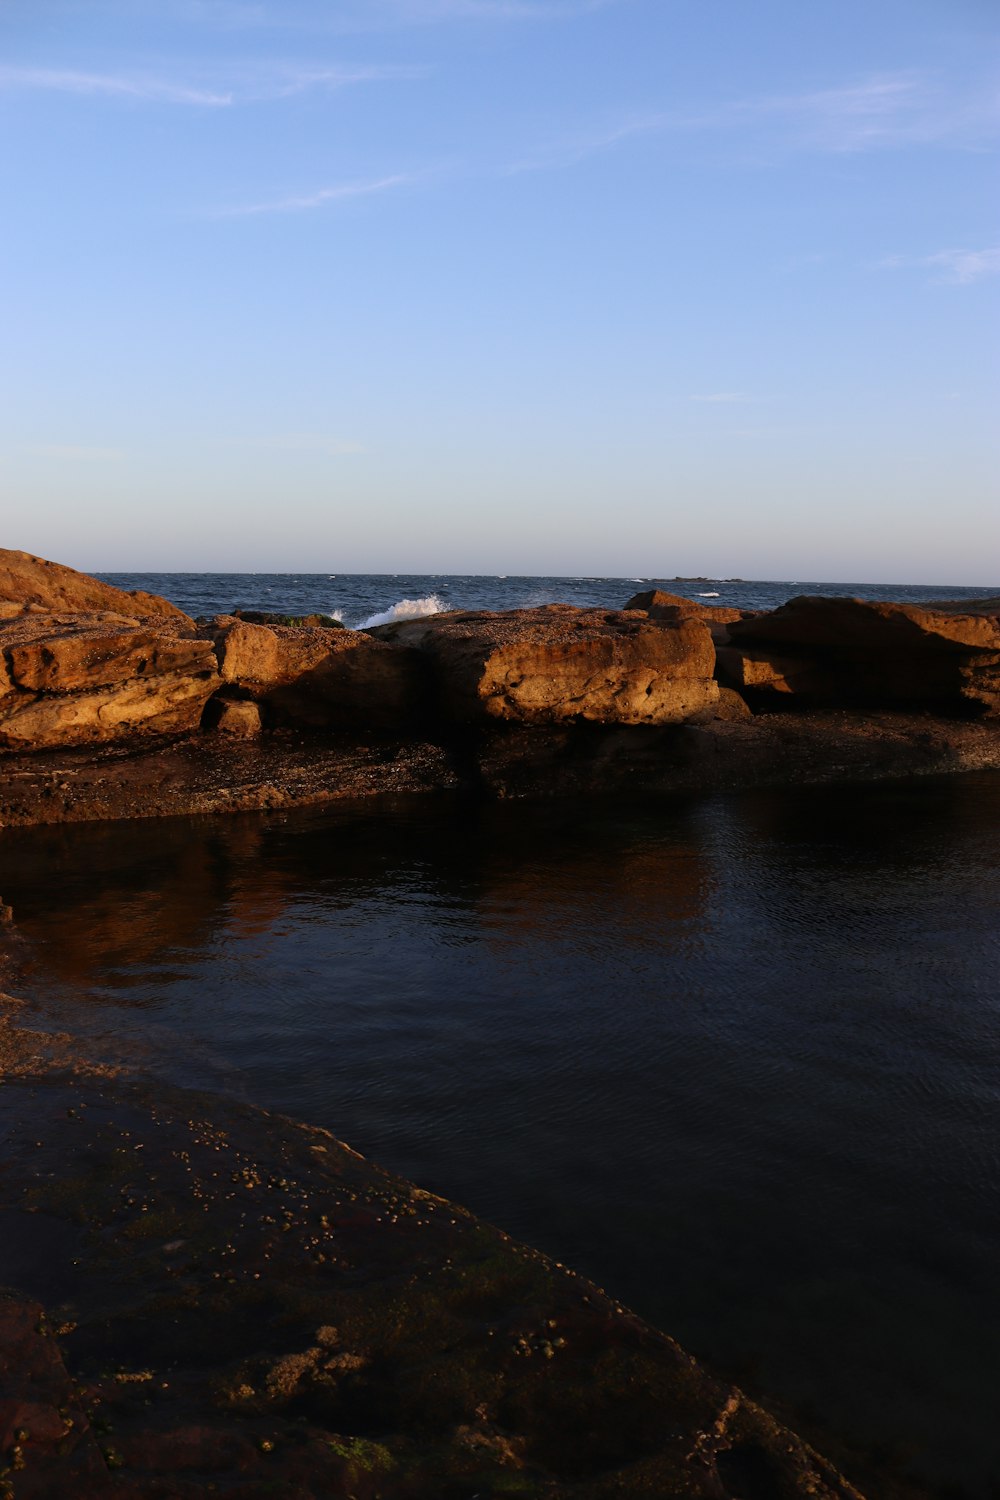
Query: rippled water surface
pixel 361 598
pixel 737 1058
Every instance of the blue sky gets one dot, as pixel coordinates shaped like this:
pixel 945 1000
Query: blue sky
pixel 514 286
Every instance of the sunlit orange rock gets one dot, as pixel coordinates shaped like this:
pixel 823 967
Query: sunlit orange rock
pixel 26 580
pixel 559 663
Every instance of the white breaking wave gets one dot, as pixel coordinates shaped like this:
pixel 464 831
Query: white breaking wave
pixel 405 609
pixel 711 594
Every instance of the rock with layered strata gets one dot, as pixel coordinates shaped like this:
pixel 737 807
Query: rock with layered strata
pixel 830 651
pixel 319 677
pixel 73 678
pixel 559 663
pixel 27 581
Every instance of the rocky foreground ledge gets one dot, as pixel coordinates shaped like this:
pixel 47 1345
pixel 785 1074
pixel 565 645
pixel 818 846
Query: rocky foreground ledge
pixel 198 1298
pixel 119 705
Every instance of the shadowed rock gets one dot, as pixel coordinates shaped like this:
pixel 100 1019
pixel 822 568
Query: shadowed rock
pixel 318 677
pixel 832 652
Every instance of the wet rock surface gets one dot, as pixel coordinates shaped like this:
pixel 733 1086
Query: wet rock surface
pixel 215 772
pixel 206 1299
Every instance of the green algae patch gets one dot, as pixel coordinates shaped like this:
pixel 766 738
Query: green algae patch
pixel 368 1456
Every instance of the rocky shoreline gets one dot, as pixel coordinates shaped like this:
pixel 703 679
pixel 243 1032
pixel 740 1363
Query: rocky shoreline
pixel 117 705
pixel 198 1297
pixel 202 1298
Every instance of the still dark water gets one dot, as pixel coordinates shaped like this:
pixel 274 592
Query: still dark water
pixel 736 1058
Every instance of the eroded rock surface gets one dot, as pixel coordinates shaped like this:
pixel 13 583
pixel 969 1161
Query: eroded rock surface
pixel 559 663
pixel 27 581
pixel 84 678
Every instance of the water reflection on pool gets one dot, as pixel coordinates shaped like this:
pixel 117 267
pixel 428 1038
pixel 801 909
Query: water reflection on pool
pixel 736 1058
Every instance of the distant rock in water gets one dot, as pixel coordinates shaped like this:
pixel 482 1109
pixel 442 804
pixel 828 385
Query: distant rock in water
pixel 27 581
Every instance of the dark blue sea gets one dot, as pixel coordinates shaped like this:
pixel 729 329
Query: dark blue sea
pixel 737 1058
pixel 364 598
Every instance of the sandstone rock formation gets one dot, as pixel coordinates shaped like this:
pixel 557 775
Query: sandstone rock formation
pixel 833 652
pixel 83 678
pixel 319 677
pixel 26 580
pixel 559 663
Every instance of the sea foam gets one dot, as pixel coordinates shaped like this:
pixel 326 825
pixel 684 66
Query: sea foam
pixel 404 609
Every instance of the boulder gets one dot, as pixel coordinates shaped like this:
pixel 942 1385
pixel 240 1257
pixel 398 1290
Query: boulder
pixel 559 663
pixel 833 652
pixel 83 678
pixel 26 580
pixel 239 718
pixel 317 676
pixel 732 706
pixel 657 604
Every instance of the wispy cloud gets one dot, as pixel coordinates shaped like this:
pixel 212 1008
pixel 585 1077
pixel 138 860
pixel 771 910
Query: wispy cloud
pixel 577 147
pixel 347 17
pixel 379 15
pixel 296 203
pixel 238 85
pixel 128 86
pixel 281 80
pixel 492 10
pixel 962 267
pixel 886 111
pixel 878 112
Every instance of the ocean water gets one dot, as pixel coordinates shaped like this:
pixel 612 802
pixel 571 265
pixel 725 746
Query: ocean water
pixel 372 598
pixel 736 1058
